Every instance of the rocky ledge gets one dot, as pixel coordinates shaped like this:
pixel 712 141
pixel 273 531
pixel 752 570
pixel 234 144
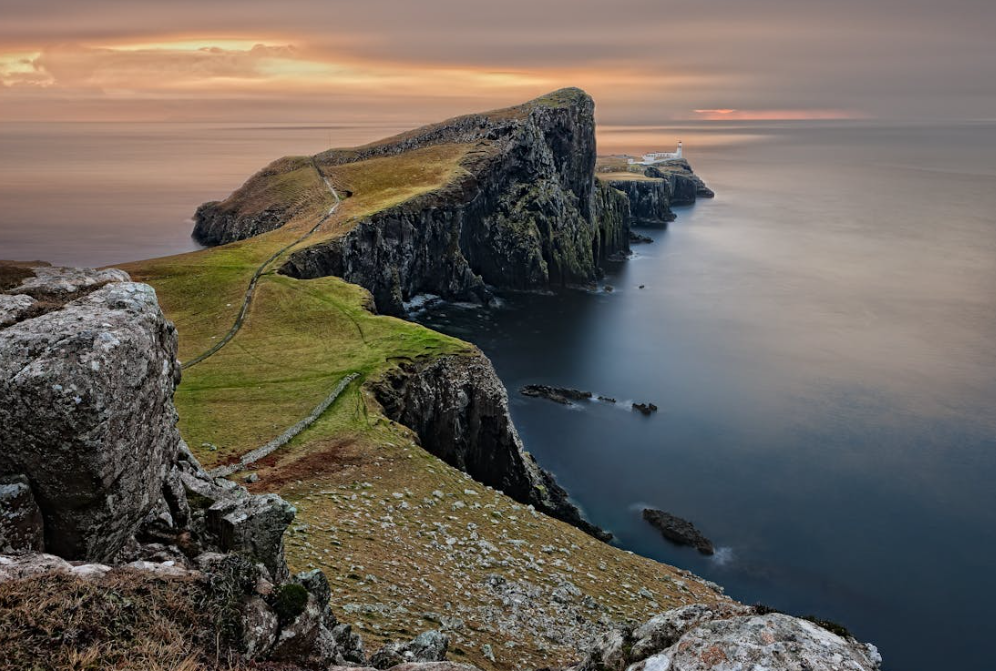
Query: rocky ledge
pixel 727 638
pixel 458 408
pixel 562 395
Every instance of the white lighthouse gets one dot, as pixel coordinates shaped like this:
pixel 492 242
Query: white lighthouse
pixel 658 157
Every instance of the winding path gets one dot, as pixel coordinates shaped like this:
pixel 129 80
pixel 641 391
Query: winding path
pixel 251 289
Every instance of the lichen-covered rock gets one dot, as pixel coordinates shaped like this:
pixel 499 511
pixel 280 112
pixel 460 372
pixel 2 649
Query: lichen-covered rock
pixel 21 525
pixel 429 646
pixel 227 518
pixel 413 666
pixel 253 526
pixel 15 308
pixel 86 409
pixel 728 637
pixel 459 409
pixel 259 627
pixel 773 641
pixel 49 282
pixel 663 630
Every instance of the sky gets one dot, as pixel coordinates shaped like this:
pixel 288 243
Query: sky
pixel 644 61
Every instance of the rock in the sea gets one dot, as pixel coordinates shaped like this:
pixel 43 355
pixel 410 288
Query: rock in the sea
pixel 21 525
pixel 727 637
pixel 562 395
pixel 645 408
pixel 86 411
pixel 678 530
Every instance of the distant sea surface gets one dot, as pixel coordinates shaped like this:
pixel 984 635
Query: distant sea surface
pixel 820 338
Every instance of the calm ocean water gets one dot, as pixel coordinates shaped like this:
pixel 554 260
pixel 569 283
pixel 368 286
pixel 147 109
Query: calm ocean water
pixel 821 339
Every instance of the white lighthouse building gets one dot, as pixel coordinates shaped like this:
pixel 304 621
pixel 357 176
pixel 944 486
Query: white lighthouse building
pixel 658 157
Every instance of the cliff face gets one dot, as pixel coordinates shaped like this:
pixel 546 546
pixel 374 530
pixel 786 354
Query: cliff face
pixel 649 200
pixel 685 186
pixel 459 409
pixel 525 213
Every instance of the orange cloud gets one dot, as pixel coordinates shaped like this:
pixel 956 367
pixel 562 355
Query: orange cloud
pixel 725 114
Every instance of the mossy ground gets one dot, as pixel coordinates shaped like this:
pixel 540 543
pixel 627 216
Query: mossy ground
pixel 375 511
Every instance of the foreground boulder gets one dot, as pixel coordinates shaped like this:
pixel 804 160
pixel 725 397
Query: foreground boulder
pixel 94 472
pixel 86 412
pixel 728 637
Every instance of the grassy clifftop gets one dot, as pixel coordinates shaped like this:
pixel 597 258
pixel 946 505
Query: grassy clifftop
pixel 408 542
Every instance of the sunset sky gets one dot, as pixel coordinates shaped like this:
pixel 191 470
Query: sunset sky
pixel 645 61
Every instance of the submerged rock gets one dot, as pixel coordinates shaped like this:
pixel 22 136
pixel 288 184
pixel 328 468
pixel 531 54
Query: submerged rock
pixel 562 395
pixel 678 530
pixel 645 408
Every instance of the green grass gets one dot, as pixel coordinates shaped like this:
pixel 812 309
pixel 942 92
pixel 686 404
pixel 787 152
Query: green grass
pixel 299 339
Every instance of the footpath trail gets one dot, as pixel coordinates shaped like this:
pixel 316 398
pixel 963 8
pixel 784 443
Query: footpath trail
pixel 251 289
pixel 255 455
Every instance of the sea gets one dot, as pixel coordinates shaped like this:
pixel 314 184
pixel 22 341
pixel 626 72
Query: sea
pixel 820 339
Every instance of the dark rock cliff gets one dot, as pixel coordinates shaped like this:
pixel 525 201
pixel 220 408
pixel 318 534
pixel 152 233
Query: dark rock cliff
pixel 649 200
pixel 459 409
pixel 526 213
pixel 685 186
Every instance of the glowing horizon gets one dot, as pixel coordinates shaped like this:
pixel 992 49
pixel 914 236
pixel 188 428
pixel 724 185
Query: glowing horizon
pixel 184 60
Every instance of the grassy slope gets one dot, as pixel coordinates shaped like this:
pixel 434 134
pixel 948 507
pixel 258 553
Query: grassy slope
pixel 388 563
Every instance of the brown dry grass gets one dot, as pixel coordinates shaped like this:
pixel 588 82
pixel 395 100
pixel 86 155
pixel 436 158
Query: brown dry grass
pixel 124 620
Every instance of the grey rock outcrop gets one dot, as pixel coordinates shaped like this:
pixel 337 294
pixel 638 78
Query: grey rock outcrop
pixel 429 646
pixel 728 636
pixel 86 410
pixel 459 409
pixel 684 185
pixel 93 469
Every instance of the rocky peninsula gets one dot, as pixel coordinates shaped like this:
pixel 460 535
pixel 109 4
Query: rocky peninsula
pixel 406 527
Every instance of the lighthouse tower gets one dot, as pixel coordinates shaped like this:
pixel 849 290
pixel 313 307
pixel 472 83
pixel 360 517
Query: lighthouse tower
pixel 678 153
